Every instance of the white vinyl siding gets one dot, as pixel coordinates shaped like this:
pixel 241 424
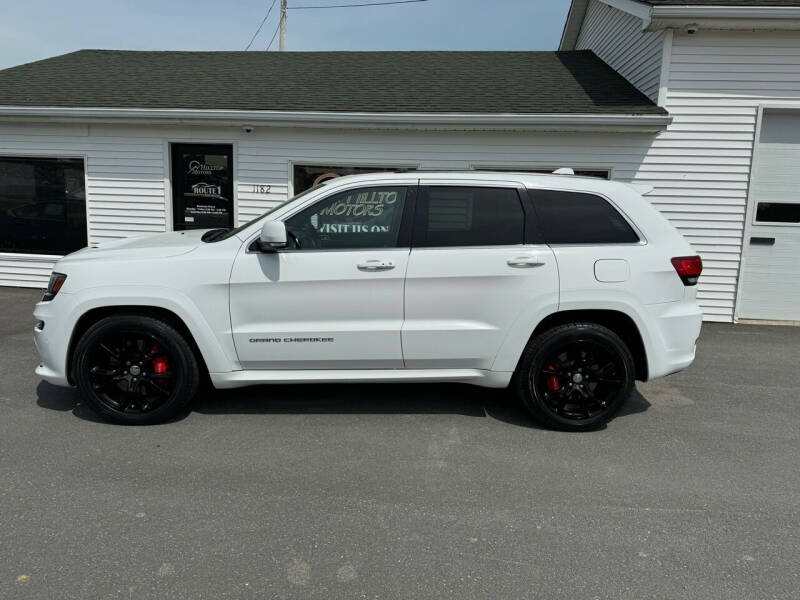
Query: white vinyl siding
pixel 128 180
pixel 700 166
pixel 617 38
pixel 266 156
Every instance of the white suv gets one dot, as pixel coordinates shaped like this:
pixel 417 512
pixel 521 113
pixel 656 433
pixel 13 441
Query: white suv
pixel 568 287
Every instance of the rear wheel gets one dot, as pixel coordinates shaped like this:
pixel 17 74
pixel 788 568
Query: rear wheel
pixel 576 376
pixel 134 369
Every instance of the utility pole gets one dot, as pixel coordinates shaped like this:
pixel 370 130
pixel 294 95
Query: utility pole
pixel 283 25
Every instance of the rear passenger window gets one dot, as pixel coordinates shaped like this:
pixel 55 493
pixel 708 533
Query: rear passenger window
pixel 578 218
pixel 469 216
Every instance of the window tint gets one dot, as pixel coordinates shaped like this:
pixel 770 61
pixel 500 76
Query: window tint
pixel 360 218
pixel 42 205
pixel 469 216
pixel 778 212
pixel 577 218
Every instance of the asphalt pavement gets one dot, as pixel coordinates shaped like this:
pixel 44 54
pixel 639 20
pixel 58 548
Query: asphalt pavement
pixel 407 491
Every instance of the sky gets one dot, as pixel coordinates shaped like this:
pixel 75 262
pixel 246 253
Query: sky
pixel 36 29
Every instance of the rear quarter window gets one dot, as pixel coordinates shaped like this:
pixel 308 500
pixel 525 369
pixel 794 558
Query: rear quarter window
pixel 580 218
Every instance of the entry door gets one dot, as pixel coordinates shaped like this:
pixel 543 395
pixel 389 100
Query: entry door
pixel 470 276
pixel 770 286
pixel 202 186
pixel 334 299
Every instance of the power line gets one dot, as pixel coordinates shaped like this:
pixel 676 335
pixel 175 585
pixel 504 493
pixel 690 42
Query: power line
pixel 356 5
pixel 282 22
pixel 264 20
pixel 273 36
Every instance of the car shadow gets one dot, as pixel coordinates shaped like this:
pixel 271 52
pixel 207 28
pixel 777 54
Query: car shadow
pixel 387 399
pixel 63 399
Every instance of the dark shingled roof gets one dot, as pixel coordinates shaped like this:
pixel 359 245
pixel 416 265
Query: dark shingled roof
pixel 741 3
pixel 378 82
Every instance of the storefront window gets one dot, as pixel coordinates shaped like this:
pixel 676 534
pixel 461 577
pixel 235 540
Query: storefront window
pixel 42 205
pixel 202 186
pixel 306 176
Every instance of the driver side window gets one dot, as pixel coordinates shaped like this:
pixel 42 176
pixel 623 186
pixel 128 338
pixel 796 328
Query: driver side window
pixel 360 218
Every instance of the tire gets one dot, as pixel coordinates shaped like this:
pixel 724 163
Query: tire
pixel 135 370
pixel 575 377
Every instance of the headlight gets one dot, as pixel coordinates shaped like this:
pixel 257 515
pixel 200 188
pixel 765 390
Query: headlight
pixel 56 281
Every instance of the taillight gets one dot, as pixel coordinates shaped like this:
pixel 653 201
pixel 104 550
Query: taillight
pixel 688 268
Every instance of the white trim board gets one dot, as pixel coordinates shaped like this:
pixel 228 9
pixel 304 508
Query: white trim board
pixel 637 9
pixel 557 121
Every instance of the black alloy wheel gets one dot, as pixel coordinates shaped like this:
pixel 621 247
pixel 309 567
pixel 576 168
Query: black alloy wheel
pixel 130 371
pixel 135 369
pixel 576 376
pixel 579 379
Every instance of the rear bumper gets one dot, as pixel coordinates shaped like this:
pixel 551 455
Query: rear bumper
pixel 676 328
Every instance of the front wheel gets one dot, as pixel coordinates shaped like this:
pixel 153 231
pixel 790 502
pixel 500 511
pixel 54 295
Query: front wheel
pixel 575 377
pixel 135 370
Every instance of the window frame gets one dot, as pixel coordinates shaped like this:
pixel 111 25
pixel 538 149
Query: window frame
pixel 530 232
pixel 531 198
pixel 34 154
pixel 406 220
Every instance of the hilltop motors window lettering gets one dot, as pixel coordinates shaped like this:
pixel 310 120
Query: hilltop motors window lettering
pixel 42 205
pixel 307 176
pixel 202 186
pixel 360 218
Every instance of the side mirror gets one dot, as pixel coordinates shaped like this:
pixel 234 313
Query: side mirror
pixel 273 236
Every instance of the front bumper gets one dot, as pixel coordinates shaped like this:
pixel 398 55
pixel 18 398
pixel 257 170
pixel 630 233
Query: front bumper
pixel 52 341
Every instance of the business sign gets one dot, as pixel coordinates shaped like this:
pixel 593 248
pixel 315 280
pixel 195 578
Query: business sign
pixel 207 189
pixel 202 186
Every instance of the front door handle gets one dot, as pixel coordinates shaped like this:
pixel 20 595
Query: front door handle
pixel 375 265
pixel 524 262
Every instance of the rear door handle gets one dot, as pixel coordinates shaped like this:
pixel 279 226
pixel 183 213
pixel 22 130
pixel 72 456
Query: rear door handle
pixel 375 265
pixel 524 262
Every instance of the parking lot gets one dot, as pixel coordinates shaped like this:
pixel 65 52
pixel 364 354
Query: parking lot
pixel 415 491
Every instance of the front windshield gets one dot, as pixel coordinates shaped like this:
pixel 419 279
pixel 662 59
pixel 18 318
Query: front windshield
pixel 231 232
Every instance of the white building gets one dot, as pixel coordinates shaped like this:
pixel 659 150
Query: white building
pixel 728 72
pixel 96 145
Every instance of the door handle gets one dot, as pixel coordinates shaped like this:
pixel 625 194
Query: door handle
pixel 524 262
pixel 762 241
pixel 375 265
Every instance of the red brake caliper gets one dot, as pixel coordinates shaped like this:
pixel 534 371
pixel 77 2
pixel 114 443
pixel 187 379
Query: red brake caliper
pixel 159 362
pixel 552 380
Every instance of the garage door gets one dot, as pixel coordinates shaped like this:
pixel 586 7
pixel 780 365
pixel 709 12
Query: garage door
pixel 770 286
